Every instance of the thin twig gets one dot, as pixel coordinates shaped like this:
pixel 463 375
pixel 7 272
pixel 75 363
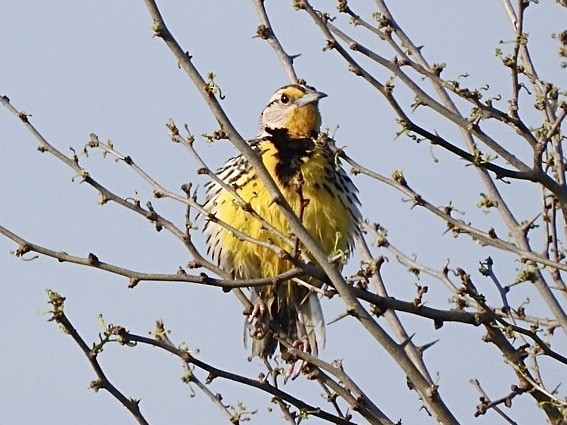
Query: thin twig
pixel 266 32
pixel 486 404
pixel 136 276
pixel 58 315
pixel 215 373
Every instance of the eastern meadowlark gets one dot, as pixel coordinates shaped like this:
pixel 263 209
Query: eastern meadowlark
pixel 311 179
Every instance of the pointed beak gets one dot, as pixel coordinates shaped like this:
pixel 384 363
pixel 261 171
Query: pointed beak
pixel 308 98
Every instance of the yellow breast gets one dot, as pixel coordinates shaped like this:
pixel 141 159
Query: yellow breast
pixel 327 216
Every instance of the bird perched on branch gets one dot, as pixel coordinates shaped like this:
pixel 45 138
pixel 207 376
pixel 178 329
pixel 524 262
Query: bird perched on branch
pixel 310 177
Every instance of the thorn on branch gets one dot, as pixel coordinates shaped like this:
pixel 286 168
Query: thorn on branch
pixel 293 58
pixel 428 345
pixel 93 260
pixel 406 341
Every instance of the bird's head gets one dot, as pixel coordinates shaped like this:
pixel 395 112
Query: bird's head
pixel 295 108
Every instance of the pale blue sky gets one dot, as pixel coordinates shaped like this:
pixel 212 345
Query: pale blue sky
pixel 82 67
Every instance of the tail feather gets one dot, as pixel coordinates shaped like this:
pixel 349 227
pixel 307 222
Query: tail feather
pixel 312 322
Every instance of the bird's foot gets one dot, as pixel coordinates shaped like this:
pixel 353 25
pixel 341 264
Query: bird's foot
pixel 302 365
pixel 256 318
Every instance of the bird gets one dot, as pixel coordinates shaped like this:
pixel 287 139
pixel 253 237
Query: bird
pixel 312 180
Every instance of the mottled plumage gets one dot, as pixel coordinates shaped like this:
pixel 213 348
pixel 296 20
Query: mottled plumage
pixel 288 145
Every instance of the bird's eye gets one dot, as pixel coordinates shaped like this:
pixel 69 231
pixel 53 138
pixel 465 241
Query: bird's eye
pixel 284 99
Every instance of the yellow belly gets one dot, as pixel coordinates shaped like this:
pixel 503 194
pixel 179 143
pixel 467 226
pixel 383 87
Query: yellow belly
pixel 326 217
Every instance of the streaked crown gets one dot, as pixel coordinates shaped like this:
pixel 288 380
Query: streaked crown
pixel 295 108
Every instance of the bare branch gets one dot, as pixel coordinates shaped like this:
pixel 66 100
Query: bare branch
pixel 486 403
pixel 136 277
pixel 265 31
pixel 215 373
pixel 58 315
